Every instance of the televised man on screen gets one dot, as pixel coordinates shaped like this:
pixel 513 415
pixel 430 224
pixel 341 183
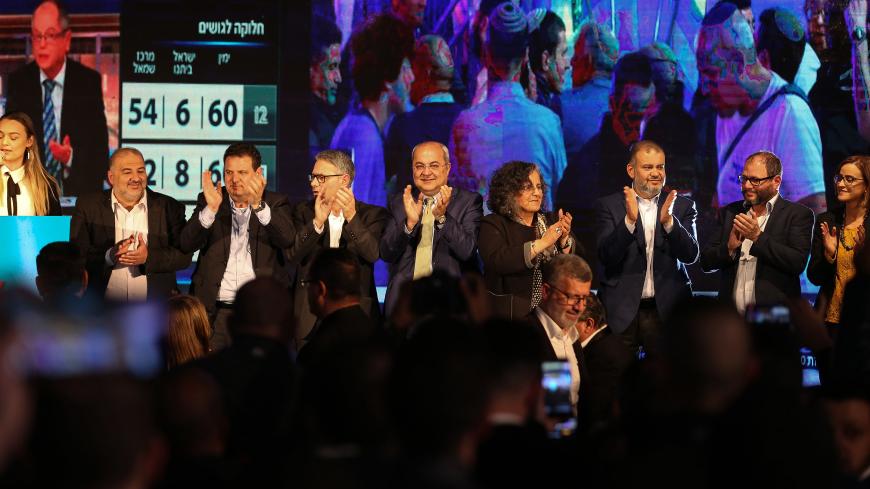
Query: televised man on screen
pixel 129 234
pixel 241 232
pixel 65 101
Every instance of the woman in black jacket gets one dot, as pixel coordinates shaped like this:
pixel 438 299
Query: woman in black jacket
pixel 519 237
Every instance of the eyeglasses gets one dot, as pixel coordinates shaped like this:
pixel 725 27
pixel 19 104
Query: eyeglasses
pixel 570 300
pixel 753 180
pixel 321 178
pixel 434 167
pixel 528 187
pixel 47 37
pixel 849 180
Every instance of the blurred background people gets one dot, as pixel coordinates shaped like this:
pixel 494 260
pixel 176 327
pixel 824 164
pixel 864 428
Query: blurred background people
pixel 61 275
pixel 189 330
pixel 548 59
pixel 324 78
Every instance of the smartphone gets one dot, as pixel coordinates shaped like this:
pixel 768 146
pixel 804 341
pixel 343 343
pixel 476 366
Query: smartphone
pixel 776 321
pixel 556 383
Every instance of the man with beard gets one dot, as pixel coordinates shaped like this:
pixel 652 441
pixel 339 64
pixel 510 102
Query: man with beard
pixel 645 241
pixel 567 282
pixel 129 235
pixel 764 242
pixel 756 109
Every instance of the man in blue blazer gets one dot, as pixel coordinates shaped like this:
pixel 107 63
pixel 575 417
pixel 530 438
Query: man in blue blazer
pixel 436 230
pixel 645 240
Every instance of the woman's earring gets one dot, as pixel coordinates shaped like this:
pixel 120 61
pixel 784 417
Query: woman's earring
pixel 27 154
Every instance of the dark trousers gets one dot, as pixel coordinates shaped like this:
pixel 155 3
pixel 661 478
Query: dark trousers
pixel 644 329
pixel 220 334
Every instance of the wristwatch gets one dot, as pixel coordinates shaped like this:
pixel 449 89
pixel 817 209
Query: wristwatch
pixel 260 206
pixel 859 33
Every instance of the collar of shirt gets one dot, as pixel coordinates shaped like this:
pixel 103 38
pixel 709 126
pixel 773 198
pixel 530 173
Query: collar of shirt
pixel 58 80
pixel 589 338
pixel 17 175
pixel 554 330
pixel 654 200
pixel 768 207
pixel 438 98
pixel 143 202
pixel 505 89
pixel 239 210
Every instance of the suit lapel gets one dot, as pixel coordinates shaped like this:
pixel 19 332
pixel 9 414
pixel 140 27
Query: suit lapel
pixel 67 115
pixel 107 216
pixel 225 219
pixel 254 233
pixel 638 229
pixel 659 237
pixel 773 219
pixel 155 210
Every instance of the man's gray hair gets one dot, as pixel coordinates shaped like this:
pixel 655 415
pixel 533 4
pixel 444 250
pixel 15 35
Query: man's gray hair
pixel 571 266
pixel 340 159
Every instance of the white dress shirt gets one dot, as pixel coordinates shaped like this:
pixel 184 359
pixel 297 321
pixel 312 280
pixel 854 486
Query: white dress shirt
pixel 563 344
pixel 25 201
pixel 127 282
pixel 744 283
pixel 240 268
pixel 648 215
pixel 56 100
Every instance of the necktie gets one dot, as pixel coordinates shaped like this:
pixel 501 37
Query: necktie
pixel 12 191
pixel 423 259
pixel 49 127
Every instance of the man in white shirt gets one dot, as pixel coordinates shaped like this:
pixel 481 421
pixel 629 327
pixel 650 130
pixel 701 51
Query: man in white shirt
pixel 764 241
pixel 567 281
pixel 334 219
pixel 65 101
pixel 754 113
pixel 241 232
pixel 129 234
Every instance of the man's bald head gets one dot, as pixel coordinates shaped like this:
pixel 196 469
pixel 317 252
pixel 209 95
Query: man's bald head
pixel 433 67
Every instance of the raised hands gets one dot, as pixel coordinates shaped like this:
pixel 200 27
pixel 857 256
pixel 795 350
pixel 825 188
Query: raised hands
pixel 747 225
pixel 137 256
pixel 255 187
pixel 829 238
pixel 346 202
pixel 413 208
pixel 212 193
pixel 630 204
pixel 565 220
pixel 322 208
pixel 666 216
pixel 441 207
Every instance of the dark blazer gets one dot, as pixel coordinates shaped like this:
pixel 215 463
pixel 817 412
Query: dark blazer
pixel 267 245
pixel 622 256
pixel 82 118
pixel 819 271
pixel 606 358
pixel 92 228
pixel 347 326
pixel 500 243
pixel 360 236
pixel 782 251
pixel 453 244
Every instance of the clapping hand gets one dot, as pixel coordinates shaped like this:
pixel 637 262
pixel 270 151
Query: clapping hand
pixel 630 204
pixel 322 208
pixel 255 187
pixel 666 217
pixel 413 208
pixel 120 248
pixel 441 206
pixel 829 238
pixel 735 240
pixel 747 225
pixel 212 193
pixel 565 220
pixel 137 256
pixel 346 202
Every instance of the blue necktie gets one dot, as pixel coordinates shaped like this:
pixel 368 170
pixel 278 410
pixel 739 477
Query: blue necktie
pixel 50 131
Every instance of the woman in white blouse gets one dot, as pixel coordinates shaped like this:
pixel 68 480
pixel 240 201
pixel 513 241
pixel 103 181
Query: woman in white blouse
pixel 26 189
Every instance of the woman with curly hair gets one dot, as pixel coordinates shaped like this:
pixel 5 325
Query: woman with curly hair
pixel 189 330
pixel 26 188
pixel 841 233
pixel 519 237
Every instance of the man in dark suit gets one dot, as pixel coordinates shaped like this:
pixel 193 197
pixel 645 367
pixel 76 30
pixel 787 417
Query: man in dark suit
pixel 605 358
pixel 437 230
pixel 645 240
pixel 566 283
pixel 436 110
pixel 334 219
pixel 65 101
pixel 130 235
pixel 333 286
pixel 241 233
pixel 764 241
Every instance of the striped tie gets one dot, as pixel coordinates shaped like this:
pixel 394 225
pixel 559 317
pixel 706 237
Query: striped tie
pixel 50 131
